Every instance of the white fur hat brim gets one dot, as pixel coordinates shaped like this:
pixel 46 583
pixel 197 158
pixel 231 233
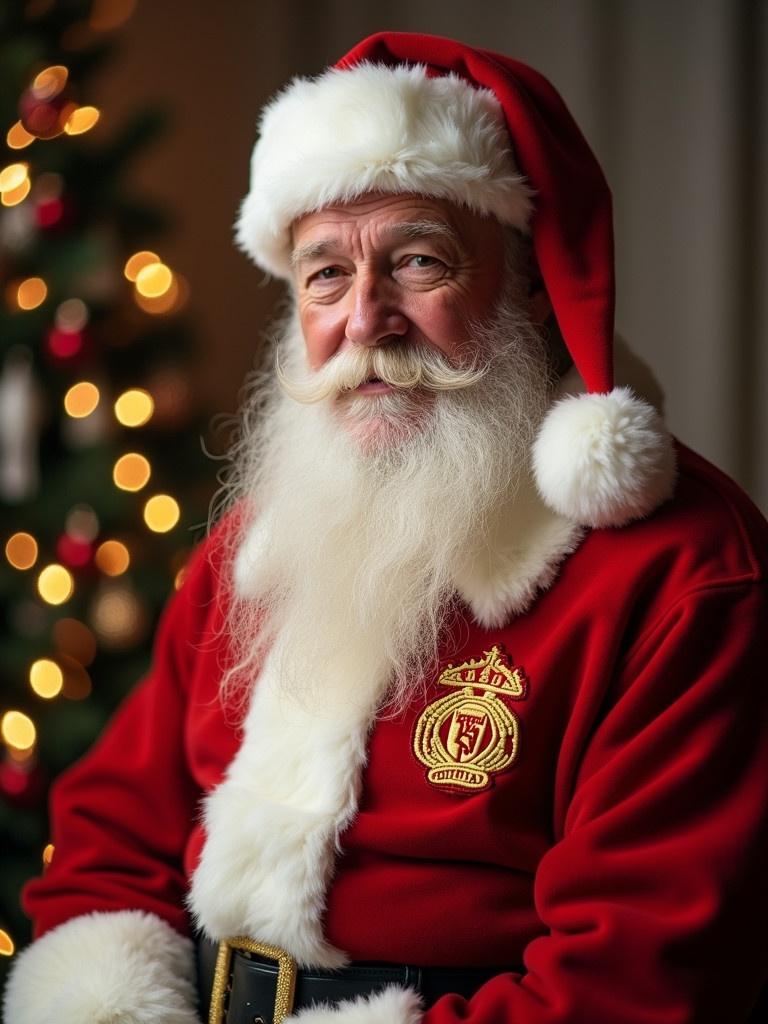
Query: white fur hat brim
pixel 374 128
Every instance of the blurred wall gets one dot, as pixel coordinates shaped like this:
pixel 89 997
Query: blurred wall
pixel 672 96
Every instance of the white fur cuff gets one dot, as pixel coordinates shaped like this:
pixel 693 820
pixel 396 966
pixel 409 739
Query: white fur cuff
pixel 393 1005
pixel 127 967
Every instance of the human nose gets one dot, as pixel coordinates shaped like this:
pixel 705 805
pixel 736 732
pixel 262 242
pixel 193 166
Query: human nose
pixel 374 316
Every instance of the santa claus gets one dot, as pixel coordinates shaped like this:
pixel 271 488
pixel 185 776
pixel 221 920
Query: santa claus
pixel 459 714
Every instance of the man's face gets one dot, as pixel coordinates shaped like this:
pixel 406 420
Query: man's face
pixel 388 268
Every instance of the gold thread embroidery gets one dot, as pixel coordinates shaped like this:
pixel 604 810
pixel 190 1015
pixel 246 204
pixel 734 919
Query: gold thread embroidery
pixel 466 737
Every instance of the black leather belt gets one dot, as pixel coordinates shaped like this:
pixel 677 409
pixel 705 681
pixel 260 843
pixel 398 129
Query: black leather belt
pixel 244 982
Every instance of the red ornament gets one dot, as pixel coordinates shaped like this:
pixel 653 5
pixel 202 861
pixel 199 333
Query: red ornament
pixel 22 782
pixel 45 118
pixel 63 344
pixel 74 551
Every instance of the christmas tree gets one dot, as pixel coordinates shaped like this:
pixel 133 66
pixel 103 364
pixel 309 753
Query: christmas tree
pixel 102 476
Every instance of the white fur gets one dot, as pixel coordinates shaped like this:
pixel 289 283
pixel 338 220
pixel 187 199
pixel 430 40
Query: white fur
pixel 127 967
pixel 604 460
pixel 374 128
pixel 393 1005
pixel 524 551
pixel 291 789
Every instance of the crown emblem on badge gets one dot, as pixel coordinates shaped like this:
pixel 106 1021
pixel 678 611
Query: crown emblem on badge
pixel 469 735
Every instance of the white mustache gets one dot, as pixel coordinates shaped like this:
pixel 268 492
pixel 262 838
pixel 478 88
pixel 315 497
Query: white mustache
pixel 400 364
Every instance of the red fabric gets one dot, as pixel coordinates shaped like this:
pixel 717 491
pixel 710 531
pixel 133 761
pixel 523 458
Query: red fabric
pixel 619 859
pixel 572 227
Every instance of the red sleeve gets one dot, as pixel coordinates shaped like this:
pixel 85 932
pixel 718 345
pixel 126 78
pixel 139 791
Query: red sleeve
pixel 655 894
pixel 121 816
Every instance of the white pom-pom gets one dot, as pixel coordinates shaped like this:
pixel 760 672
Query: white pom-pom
pixel 604 460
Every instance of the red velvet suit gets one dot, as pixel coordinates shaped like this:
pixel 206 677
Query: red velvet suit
pixel 617 863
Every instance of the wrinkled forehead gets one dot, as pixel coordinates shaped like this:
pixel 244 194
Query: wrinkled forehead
pixel 385 219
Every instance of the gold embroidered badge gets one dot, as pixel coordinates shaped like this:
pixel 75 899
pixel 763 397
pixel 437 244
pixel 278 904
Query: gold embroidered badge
pixel 467 736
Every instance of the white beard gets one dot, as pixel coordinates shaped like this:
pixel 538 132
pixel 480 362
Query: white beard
pixel 368 517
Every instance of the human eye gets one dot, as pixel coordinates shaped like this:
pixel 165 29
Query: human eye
pixel 421 261
pixel 325 280
pixel 421 268
pixel 325 274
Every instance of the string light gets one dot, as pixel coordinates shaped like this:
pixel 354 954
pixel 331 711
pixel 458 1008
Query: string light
pixel 50 82
pixel 109 14
pixel 18 730
pixel 112 557
pixel 82 522
pixel 16 195
pixel 161 513
pixel 21 550
pixel 12 176
pixel 7 947
pixel 77 682
pixel 81 399
pixel 154 280
pixel 71 315
pixel 172 300
pixel 134 408
pixel 31 293
pixel 131 472
pixel 55 584
pixel 81 120
pixel 46 678
pixel 138 261
pixel 18 137
pixel 48 855
pixel 73 639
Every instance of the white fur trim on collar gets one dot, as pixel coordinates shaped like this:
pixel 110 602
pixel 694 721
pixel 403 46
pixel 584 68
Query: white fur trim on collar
pixel 102 968
pixel 272 826
pixel 393 1005
pixel 374 128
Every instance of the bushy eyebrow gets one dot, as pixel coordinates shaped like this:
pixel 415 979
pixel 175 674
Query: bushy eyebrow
pixel 411 229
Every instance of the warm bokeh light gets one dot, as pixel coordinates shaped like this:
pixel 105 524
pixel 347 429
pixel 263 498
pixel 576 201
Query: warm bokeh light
pixel 71 315
pixel 74 639
pixel 109 14
pixel 179 578
pixel 161 513
pixel 138 261
pixel 81 120
pixel 119 617
pixel 82 522
pixel 21 550
pixel 154 280
pixel 48 854
pixel 7 947
pixel 12 176
pixel 131 472
pixel 77 682
pixel 49 82
pixel 18 730
pixel 134 408
pixel 55 584
pixel 49 185
pixel 112 557
pixel 46 678
pixel 81 399
pixel 31 293
pixel 16 195
pixel 18 137
pixel 168 302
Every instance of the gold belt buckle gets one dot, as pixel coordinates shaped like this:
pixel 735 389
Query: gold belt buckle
pixel 286 976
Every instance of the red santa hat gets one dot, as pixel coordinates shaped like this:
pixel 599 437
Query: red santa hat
pixel 420 114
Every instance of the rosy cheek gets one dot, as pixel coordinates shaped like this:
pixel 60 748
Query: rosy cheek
pixel 322 335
